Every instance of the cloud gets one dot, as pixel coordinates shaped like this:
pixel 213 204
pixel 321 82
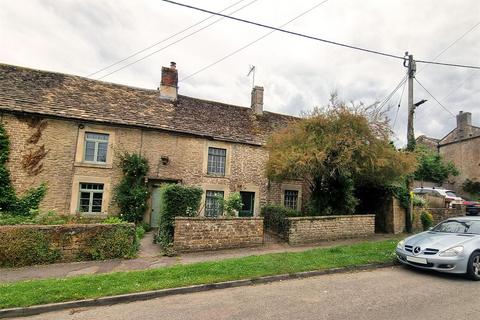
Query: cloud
pixel 80 37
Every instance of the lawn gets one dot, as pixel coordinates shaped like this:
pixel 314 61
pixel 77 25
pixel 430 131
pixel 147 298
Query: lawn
pixel 27 293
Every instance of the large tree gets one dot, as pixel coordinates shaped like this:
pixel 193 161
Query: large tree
pixel 335 149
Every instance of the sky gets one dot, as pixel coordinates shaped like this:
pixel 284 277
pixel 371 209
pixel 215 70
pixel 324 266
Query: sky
pixel 84 36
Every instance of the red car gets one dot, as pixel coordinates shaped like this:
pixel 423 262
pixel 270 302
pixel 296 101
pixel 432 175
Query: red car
pixel 472 207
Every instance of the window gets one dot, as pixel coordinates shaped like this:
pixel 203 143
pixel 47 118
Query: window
pixel 216 161
pixel 291 199
pixel 96 146
pixel 213 205
pixel 91 197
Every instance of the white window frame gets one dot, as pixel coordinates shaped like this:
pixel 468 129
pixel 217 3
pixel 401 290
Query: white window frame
pixel 97 142
pixel 91 192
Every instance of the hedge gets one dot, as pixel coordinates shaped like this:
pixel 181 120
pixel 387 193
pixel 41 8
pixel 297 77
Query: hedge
pixel 274 218
pixel 24 245
pixel 176 201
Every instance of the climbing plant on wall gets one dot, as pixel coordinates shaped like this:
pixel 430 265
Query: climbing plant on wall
pixel 131 193
pixel 9 201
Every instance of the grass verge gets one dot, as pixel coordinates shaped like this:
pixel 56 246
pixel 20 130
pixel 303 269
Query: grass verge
pixel 34 292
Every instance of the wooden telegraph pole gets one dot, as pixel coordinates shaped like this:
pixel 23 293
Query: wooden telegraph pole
pixel 412 68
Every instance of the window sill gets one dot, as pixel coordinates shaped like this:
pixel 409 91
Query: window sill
pixel 93 165
pixel 212 175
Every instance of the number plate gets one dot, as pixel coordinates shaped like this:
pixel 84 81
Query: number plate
pixel 417 260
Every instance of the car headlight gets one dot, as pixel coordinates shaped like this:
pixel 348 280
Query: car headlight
pixel 400 244
pixel 452 252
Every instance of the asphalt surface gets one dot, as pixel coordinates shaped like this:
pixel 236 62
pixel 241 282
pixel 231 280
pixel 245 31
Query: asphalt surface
pixel 389 293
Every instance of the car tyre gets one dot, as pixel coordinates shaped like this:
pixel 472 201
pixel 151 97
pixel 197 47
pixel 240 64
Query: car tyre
pixel 473 268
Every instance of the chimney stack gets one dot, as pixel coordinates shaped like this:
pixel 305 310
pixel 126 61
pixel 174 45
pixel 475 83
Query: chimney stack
pixel 464 124
pixel 169 83
pixel 257 100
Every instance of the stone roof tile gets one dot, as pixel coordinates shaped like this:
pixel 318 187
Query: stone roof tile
pixel 68 96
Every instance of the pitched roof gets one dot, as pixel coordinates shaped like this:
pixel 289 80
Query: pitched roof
pixel 68 96
pixel 457 135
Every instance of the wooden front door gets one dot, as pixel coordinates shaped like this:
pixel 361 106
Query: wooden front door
pixel 248 201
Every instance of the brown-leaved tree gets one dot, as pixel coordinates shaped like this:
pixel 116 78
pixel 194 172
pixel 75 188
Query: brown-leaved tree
pixel 335 149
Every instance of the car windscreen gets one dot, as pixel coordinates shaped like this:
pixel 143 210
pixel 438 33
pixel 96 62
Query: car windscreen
pixel 451 194
pixel 456 226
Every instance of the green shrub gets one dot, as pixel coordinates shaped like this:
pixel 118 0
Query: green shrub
pixel 23 247
pixel 177 201
pixel 274 218
pixel 232 204
pixel 113 220
pixel 131 193
pixel 118 242
pixel 9 219
pixel 419 201
pixel 147 227
pixel 427 220
pixel 51 218
pixel 140 232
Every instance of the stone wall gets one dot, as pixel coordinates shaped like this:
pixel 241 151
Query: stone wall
pixel 71 242
pixel 464 154
pixel 315 229
pixel 197 234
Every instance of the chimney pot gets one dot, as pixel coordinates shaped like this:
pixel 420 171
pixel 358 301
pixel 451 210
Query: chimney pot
pixel 257 100
pixel 169 82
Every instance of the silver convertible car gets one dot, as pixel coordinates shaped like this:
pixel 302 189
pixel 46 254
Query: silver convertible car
pixel 451 246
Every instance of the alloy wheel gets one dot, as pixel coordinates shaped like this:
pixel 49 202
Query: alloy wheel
pixel 476 265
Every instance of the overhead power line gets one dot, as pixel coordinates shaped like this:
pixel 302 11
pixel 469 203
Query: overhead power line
pixel 316 38
pixel 385 100
pixel 250 43
pixel 452 44
pixel 399 105
pixel 172 43
pixel 431 95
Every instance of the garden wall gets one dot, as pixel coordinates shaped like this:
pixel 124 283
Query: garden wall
pixel 314 229
pixel 438 214
pixel 199 233
pixel 35 244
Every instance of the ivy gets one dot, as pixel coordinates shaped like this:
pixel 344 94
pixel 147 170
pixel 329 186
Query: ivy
pixel 177 201
pixel 131 193
pixel 9 201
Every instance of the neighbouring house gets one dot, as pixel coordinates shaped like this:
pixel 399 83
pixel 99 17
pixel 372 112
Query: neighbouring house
pixel 68 131
pixel 462 147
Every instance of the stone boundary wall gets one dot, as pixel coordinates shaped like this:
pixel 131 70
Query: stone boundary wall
pixel 69 242
pixel 438 214
pixel 314 229
pixel 199 233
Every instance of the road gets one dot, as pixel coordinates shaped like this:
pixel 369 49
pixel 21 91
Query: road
pixel 391 293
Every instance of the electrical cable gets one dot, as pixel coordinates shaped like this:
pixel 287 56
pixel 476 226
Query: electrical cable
pixel 319 39
pixel 161 41
pixel 399 104
pixel 250 43
pixel 431 95
pixel 175 42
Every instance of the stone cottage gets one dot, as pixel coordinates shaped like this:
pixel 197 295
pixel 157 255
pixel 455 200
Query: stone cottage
pixel 68 131
pixel 462 147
